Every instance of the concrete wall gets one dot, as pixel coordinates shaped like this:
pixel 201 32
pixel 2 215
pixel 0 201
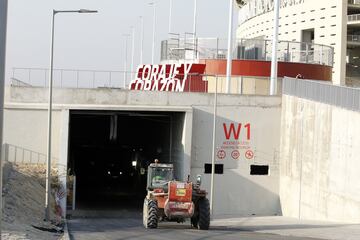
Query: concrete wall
pixel 237 192
pixel 319 170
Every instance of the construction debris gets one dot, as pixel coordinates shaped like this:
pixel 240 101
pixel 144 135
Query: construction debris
pixel 24 197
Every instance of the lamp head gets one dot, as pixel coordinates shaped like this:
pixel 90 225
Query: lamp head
pixel 87 11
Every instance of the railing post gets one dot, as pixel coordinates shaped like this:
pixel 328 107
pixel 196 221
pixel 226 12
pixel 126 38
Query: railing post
pixel 288 52
pixel 6 152
pixel 306 52
pixel 109 79
pixel 321 55
pixel 61 78
pixel 93 79
pixel 77 79
pixel 15 154
pixel 29 76
pixel 45 78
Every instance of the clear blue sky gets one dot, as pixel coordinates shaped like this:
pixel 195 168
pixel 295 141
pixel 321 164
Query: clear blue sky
pixel 94 41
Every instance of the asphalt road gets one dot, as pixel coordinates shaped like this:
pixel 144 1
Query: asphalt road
pixel 129 228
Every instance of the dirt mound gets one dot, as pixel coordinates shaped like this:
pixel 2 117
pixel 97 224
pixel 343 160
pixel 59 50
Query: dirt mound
pixel 24 197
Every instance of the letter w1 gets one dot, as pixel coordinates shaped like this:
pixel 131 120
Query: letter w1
pixel 232 130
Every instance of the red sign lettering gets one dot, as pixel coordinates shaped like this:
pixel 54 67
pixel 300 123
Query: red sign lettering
pixel 235 131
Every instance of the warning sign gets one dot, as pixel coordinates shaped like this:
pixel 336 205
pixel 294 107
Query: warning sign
pixel 235 154
pixel 249 154
pixel 237 139
pixel 221 154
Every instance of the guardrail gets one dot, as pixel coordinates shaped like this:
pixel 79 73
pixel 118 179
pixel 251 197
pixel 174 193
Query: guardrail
pixel 353 38
pixel 17 154
pixel 248 49
pixel 344 97
pixel 354 2
pixel 70 78
pixel 37 77
pixel 354 18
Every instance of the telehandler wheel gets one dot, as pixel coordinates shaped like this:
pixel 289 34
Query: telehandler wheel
pixel 150 214
pixel 204 214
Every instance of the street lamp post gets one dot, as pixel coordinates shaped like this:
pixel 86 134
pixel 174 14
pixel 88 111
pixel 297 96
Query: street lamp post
pixel 170 14
pixel 142 40
pixel 3 27
pixel 194 29
pixel 48 163
pixel 125 58
pixel 132 52
pixel 195 17
pixel 274 60
pixel 229 53
pixel 153 37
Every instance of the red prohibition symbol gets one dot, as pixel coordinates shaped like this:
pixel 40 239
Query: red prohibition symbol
pixel 249 154
pixel 221 154
pixel 235 154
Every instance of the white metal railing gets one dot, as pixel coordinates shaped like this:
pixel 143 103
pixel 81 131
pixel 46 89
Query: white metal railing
pixel 249 49
pixel 353 38
pixel 70 78
pixel 353 17
pixel 354 2
pixel 340 96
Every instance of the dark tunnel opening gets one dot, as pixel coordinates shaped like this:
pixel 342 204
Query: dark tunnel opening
pixel 109 153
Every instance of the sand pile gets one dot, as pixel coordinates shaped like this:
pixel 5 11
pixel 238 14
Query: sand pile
pixel 24 197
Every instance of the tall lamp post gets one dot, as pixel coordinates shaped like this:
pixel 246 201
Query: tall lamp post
pixel 3 21
pixel 126 36
pixel 170 14
pixel 141 40
pixel 48 163
pixel 274 60
pixel 230 41
pixel 195 17
pixel 153 36
pixel 132 52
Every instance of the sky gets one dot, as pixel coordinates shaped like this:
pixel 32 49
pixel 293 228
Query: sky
pixel 96 41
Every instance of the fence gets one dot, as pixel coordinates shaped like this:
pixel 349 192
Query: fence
pixel 353 38
pixel 344 97
pixel 353 17
pixel 70 78
pixel 16 154
pixel 193 83
pixel 354 2
pixel 246 49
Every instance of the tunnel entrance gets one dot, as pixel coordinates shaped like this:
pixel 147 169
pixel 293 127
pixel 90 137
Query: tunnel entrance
pixel 109 152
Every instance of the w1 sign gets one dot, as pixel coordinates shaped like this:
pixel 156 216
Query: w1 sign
pixel 170 77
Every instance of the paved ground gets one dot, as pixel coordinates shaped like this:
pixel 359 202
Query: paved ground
pixel 131 228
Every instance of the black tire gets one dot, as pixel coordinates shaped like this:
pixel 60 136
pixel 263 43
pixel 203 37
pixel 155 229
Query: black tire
pixel 150 214
pixel 204 214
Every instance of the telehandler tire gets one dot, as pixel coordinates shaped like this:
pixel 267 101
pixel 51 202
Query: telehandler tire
pixel 150 214
pixel 204 214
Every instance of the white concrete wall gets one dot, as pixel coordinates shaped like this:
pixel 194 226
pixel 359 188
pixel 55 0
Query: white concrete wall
pixel 25 132
pixel 237 193
pixel 328 18
pixel 319 161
